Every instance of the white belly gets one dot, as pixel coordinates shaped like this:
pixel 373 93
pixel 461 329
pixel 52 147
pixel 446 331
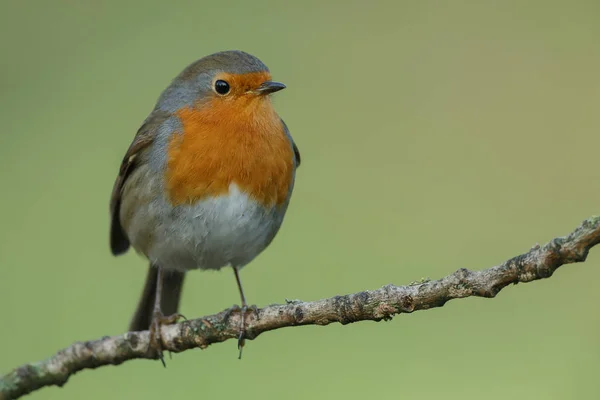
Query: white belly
pixel 213 233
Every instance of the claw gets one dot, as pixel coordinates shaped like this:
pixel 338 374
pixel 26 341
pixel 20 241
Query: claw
pixel 242 334
pixel 241 343
pixel 158 320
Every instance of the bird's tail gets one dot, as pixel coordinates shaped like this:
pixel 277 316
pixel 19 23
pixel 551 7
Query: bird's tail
pixel 172 285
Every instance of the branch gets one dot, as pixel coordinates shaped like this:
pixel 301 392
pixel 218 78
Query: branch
pixel 374 305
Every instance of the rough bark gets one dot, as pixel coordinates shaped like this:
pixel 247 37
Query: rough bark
pixel 374 305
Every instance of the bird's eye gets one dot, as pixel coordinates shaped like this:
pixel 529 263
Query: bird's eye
pixel 221 87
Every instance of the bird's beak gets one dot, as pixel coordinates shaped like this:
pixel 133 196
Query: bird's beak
pixel 269 87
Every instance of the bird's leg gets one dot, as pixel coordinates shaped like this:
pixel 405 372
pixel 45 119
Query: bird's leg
pixel 244 308
pixel 158 319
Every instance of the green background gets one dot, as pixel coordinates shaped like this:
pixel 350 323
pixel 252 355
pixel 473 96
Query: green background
pixel 434 136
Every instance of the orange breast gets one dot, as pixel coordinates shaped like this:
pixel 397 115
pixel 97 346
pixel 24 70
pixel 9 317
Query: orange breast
pixel 238 140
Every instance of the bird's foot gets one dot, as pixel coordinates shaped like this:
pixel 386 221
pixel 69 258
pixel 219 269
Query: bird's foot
pixel 158 320
pixel 243 310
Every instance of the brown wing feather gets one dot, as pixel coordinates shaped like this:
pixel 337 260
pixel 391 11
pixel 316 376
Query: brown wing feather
pixel 119 243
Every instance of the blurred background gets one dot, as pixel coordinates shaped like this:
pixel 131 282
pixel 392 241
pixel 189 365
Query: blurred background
pixel 434 136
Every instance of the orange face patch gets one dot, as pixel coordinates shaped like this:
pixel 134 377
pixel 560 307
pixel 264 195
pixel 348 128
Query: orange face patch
pixel 240 84
pixel 236 138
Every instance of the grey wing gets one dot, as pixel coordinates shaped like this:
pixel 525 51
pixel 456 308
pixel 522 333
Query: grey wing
pixel 296 154
pixel 296 151
pixel 119 243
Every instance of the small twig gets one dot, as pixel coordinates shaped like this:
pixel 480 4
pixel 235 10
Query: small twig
pixel 374 305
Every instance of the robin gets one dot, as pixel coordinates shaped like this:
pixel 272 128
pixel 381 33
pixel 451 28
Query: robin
pixel 205 183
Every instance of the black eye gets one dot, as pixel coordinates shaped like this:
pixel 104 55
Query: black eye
pixel 221 87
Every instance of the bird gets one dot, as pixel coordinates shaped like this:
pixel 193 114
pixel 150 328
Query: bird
pixel 205 183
